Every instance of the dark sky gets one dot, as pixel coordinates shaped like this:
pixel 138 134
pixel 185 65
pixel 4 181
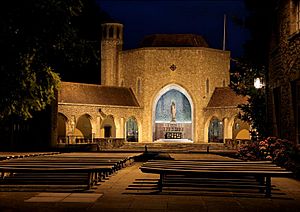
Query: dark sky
pixel 203 17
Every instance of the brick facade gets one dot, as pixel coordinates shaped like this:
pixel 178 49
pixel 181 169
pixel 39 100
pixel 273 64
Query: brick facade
pixel 283 77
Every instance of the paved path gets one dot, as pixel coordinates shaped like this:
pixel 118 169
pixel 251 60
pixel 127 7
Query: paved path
pixel 132 190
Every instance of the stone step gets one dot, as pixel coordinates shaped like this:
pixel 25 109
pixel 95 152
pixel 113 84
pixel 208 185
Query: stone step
pixel 175 146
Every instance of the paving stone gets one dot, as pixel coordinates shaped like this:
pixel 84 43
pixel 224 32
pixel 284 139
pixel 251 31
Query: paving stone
pixel 79 199
pixel 112 195
pixel 45 199
pixel 48 194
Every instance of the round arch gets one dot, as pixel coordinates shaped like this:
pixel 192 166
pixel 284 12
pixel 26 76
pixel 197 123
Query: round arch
pixel 132 129
pixel 84 126
pixel 109 127
pixel 165 127
pixel 240 130
pixel 62 123
pixel 243 134
pixel 216 130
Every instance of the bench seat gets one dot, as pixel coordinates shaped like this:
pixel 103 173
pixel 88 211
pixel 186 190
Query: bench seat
pixel 68 169
pixel 263 171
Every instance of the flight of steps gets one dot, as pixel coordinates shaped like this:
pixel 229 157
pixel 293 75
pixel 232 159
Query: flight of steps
pixel 175 147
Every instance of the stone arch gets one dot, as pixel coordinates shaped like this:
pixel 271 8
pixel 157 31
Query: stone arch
pixel 216 130
pixel 62 123
pixel 243 134
pixel 162 124
pixel 230 127
pixel 132 129
pixel 240 130
pixel 108 126
pixel 83 126
pixel 206 125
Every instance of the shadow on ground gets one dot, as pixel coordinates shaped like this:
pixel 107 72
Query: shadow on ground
pixel 189 186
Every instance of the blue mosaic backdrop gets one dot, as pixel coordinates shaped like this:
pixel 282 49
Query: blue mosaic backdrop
pixel 163 107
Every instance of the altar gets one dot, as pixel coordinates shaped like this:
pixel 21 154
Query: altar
pixel 173 117
pixel 173 131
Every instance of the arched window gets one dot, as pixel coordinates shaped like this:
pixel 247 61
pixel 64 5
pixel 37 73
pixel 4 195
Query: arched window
pixel 138 86
pixel 132 130
pixel 111 32
pixel 118 32
pixel 207 86
pixel 104 32
pixel 61 127
pixel 108 126
pixel 215 131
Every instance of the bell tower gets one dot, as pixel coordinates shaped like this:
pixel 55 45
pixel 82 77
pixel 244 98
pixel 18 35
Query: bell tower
pixel 111 47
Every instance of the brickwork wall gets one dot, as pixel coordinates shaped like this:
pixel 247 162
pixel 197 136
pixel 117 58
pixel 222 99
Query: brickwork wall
pixel 148 72
pixel 283 69
pixel 120 116
pixel 193 67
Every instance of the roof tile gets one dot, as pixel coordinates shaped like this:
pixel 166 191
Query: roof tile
pixel 225 97
pixel 80 93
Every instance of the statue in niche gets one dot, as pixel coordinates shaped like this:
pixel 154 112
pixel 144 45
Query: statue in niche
pixel 173 112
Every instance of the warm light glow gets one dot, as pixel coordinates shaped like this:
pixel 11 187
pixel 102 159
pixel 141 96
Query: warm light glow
pixel 258 83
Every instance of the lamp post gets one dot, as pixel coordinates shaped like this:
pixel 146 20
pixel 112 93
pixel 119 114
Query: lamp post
pixel 260 85
pixel 259 82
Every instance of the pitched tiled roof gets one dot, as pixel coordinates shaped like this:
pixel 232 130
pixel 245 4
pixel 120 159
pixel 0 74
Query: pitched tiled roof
pixel 173 40
pixel 225 97
pixel 80 93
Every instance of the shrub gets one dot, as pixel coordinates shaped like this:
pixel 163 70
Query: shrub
pixel 280 151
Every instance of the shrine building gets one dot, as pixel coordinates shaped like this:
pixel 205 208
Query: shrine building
pixel 173 88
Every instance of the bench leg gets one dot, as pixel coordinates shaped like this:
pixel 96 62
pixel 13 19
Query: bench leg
pixel 261 181
pixel 160 182
pixel 268 186
pixel 89 180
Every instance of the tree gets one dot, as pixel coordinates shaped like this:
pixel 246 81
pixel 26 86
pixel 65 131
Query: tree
pixel 254 64
pixel 254 112
pixel 259 23
pixel 40 40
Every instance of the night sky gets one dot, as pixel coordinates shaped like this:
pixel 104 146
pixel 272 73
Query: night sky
pixel 203 17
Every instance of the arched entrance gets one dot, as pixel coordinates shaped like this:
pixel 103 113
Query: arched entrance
pixel 216 130
pixel 84 127
pixel 132 130
pixel 172 115
pixel 61 127
pixel 109 127
pixel 240 130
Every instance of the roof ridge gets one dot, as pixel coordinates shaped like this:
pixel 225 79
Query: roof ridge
pixel 96 85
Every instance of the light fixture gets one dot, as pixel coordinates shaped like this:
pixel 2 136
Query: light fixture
pixel 259 82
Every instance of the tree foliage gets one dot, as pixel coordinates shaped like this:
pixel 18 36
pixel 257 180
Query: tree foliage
pixel 254 64
pixel 259 22
pixel 254 112
pixel 40 40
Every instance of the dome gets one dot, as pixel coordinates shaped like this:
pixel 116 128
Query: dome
pixel 173 40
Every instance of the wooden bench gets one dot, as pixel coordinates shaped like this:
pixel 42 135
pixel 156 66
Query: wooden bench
pixel 87 180
pixel 263 171
pixel 80 169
